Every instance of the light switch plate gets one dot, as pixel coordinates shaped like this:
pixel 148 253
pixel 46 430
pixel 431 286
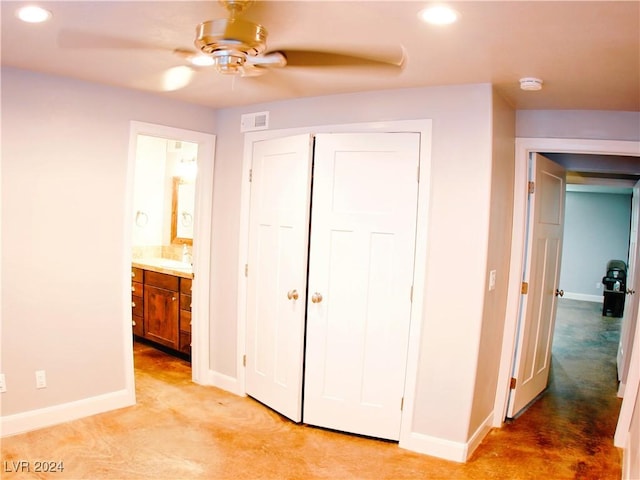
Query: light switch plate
pixel 41 379
pixel 492 280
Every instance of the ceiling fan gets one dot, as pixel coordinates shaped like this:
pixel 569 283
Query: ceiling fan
pixel 237 46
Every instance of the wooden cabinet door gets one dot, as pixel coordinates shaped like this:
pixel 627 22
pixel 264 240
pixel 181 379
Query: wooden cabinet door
pixel 161 316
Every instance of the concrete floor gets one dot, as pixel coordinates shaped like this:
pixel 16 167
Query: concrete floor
pixel 179 430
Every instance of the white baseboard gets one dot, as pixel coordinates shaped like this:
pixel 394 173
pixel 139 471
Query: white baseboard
pixel 447 449
pixel 66 412
pixel 224 382
pixel 478 435
pixel 436 447
pixel 584 297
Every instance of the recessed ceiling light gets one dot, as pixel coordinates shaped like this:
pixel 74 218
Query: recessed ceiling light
pixel 438 15
pixel 33 14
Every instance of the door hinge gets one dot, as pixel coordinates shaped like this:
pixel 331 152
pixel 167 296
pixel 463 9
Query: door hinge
pixel 525 288
pixel 250 175
pixel 401 404
pixel 512 384
pixel 244 360
pixel 246 269
pixel 532 187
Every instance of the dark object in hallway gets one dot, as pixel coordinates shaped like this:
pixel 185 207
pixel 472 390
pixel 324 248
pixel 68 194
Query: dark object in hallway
pixel 181 430
pixel 615 286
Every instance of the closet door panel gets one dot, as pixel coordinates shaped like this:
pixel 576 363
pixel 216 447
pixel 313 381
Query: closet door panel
pixel 277 272
pixel 360 277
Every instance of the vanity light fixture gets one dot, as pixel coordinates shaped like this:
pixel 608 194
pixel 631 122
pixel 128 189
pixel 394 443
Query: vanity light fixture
pixel 438 15
pixel 33 14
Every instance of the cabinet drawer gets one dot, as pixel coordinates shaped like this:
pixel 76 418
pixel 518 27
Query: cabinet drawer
pixel 185 286
pixel 162 280
pixel 136 289
pixel 185 321
pixel 136 274
pixel 137 307
pixel 185 302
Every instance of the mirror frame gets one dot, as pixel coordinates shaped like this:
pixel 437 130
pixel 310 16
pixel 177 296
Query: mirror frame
pixel 176 182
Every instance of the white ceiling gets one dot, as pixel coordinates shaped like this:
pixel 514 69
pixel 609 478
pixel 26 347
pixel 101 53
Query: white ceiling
pixel 587 53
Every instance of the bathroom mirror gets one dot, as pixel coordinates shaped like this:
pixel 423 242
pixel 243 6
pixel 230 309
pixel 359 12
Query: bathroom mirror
pixel 182 210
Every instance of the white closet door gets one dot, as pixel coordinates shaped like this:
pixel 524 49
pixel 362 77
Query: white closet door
pixel 277 272
pixel 360 279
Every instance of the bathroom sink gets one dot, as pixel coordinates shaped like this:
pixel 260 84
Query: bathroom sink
pixel 177 264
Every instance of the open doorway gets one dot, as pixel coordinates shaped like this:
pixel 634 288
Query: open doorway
pixel 165 173
pixel 626 152
pixel 170 200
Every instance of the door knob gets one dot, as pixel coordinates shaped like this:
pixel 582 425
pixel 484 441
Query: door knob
pixel 316 298
pixel 559 293
pixel 292 294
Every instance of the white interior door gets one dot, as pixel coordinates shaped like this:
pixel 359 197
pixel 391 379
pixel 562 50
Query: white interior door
pixel 544 247
pixel 630 316
pixel 277 272
pixel 360 281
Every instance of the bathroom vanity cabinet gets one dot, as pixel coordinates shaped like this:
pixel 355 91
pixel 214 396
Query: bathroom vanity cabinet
pixel 161 309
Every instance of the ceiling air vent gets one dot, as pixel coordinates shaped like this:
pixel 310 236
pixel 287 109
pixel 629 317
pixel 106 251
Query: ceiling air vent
pixel 254 121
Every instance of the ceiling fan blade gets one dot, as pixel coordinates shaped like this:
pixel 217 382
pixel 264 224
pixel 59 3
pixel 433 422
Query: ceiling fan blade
pixel 79 39
pixel 319 58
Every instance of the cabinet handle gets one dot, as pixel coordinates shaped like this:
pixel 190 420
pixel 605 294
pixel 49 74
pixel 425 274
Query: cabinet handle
pixel 292 294
pixel 316 298
pixel 133 289
pixel 133 322
pixel 133 304
pixel 133 274
pixel 173 299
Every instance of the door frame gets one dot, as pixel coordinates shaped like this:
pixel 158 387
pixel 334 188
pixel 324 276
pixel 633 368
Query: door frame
pixel 523 148
pixel 423 127
pixel 201 245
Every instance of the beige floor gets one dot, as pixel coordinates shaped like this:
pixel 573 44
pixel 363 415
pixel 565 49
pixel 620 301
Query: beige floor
pixel 179 430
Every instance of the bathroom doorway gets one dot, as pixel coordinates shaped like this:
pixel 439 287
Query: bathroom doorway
pixel 171 190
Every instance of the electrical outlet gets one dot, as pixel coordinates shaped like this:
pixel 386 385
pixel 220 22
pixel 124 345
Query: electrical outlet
pixel 41 379
pixel 3 383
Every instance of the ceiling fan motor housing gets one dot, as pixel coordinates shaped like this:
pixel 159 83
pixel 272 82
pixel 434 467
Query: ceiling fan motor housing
pixel 230 40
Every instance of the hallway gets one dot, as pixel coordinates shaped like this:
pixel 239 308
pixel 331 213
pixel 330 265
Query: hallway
pixel 575 418
pixel 180 430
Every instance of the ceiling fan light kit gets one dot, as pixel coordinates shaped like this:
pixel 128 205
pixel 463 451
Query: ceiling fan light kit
pixel 33 14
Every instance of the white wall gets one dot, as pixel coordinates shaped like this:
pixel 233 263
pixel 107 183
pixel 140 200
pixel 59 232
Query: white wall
pixel 499 251
pixel 596 230
pixel 64 181
pixel 150 191
pixel 459 223
pixel 586 124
